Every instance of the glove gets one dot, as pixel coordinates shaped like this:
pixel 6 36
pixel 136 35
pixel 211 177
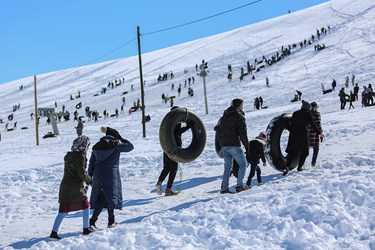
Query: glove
pixel 264 164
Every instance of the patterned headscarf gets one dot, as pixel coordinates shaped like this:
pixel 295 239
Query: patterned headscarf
pixel 80 144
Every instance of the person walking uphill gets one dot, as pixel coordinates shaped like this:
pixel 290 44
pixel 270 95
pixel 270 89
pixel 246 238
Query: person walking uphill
pixel 72 194
pixel 232 131
pixel 170 167
pixel 104 169
pixel 255 153
pixel 298 142
pixel 79 127
pixel 314 138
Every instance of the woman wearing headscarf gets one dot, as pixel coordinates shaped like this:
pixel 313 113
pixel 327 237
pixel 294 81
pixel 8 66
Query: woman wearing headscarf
pixel 72 194
pixel 104 169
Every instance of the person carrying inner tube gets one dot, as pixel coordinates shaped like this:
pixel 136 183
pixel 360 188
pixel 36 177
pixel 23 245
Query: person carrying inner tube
pixel 232 131
pixel 298 142
pixel 170 167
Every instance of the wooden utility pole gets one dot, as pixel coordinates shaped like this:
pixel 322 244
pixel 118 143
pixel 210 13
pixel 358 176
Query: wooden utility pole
pixel 141 79
pixel 36 113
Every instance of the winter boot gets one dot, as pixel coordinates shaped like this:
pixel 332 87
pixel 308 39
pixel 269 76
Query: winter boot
pixel 87 231
pixel 92 225
pixel 170 192
pixel 54 236
pixel 158 188
pixel 240 189
pixel 227 191
pixel 285 172
pixel 111 222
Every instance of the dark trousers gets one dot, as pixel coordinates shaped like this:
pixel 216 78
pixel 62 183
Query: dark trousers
pixel 301 161
pixel 100 204
pixel 342 106
pixel 315 154
pixel 254 168
pixel 170 168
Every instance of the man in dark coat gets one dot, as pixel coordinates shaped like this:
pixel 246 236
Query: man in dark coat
pixel 104 169
pixel 343 99
pixel 170 167
pixel 233 131
pixel 255 153
pixel 298 142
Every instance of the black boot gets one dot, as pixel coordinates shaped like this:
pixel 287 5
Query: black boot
pixel 112 222
pixel 87 231
pixel 54 235
pixel 92 224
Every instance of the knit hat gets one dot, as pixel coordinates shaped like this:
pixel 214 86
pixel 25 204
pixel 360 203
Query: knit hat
pixel 237 102
pixel 305 105
pixel 314 105
pixel 80 144
pixel 262 136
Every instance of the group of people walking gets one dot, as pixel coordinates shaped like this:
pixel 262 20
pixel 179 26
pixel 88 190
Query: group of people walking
pixel 305 132
pixel 103 171
pixel 103 175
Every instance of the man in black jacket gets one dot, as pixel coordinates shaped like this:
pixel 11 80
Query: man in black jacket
pixel 298 142
pixel 232 131
pixel 170 167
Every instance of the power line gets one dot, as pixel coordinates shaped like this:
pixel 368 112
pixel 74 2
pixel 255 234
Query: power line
pixel 202 19
pixel 110 52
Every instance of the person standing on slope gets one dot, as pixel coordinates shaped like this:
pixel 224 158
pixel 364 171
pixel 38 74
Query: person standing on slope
pixel 72 194
pixel 254 154
pixel 104 169
pixel 315 138
pixel 232 130
pixel 170 167
pixel 298 141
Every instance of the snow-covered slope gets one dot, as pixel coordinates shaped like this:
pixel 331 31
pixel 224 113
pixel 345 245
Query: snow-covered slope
pixel 330 206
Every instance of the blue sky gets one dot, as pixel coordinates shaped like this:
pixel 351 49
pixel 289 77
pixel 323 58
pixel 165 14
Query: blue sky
pixel 43 36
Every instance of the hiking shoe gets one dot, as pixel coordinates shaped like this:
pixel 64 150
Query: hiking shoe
pixel 247 187
pixel 240 189
pixel 87 231
pixel 170 192
pixel 114 224
pixel 299 169
pixel 92 225
pixel 227 191
pixel 158 189
pixel 54 236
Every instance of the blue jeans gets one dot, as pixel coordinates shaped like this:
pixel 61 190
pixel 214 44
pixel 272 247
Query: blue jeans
pixel 315 154
pixel 231 153
pixel 60 216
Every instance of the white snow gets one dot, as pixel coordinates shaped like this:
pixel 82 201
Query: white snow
pixel 330 206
